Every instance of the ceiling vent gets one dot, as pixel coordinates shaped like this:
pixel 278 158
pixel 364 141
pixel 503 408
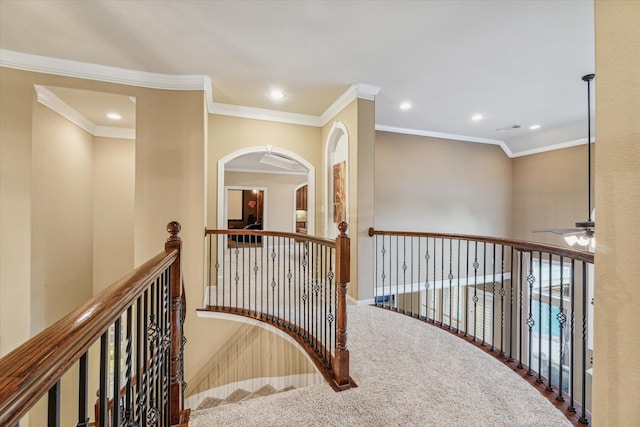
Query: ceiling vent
pixel 508 128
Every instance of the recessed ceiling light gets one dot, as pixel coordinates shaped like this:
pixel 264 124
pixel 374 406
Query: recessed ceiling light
pixel 276 94
pixel 534 127
pixel 114 116
pixel 476 117
pixel 405 106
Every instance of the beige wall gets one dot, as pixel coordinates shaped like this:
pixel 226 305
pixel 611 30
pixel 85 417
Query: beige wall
pixel 429 184
pixel 229 134
pixel 62 217
pixel 113 209
pixel 550 191
pixel 240 351
pixel 279 207
pixel 616 389
pixel 16 105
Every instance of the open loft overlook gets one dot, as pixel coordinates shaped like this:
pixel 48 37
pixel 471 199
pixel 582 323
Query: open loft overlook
pixel 210 202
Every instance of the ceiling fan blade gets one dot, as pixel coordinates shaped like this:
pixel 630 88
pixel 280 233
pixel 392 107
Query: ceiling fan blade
pixel 558 230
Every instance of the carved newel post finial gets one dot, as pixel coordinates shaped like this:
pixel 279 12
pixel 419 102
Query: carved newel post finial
pixel 342 227
pixel 173 228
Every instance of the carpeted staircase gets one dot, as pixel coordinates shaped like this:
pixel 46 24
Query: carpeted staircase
pixel 239 396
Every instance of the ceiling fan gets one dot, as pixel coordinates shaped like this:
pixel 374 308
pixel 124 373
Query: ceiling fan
pixel 584 233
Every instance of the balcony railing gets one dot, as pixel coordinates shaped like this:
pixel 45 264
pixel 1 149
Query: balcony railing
pixel 294 282
pixel 137 325
pixel 523 302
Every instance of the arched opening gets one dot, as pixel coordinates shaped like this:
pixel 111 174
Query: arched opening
pixel 336 178
pixel 276 169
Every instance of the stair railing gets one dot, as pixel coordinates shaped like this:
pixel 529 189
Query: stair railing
pixel 525 303
pixel 295 282
pixel 148 304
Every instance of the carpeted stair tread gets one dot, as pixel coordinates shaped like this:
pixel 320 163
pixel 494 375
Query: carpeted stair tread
pixel 265 390
pixel 209 402
pixel 236 396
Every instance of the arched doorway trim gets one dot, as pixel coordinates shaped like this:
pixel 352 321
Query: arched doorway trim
pixel 336 134
pixel 311 174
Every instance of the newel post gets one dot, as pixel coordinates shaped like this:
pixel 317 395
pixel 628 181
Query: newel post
pixel 343 253
pixel 176 298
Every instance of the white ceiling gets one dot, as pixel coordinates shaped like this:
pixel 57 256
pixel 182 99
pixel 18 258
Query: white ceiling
pixel 515 62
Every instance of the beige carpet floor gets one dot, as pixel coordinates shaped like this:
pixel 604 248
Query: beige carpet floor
pixel 408 374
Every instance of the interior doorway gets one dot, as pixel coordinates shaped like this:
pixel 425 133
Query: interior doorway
pixel 245 208
pixel 302 209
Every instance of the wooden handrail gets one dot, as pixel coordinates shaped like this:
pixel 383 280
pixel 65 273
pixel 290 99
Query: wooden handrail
pixel 578 255
pixel 298 236
pixel 30 370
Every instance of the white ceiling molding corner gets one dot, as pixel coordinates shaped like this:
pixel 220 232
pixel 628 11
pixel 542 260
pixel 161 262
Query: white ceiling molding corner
pixel 103 73
pixel 51 101
pixel 365 91
pixel 115 132
pixel 263 114
pixel 358 90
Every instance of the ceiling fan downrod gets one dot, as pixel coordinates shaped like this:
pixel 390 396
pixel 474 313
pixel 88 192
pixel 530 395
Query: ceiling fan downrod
pixel 589 223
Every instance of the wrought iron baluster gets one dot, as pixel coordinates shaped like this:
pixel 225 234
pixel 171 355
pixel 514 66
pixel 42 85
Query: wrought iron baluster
pixel 128 403
pixel 484 291
pixel 550 334
pixel 561 321
pixel 411 277
pixel 572 407
pixel 331 317
pixel 236 278
pixel 426 281
pixel 209 240
pixel 83 391
pixel 103 397
pixel 502 293
pixel 476 265
pixel 450 276
pixel 441 282
pixel 53 405
pixel 289 277
pixel 511 319
pixel 458 294
pixel 539 379
pixel 530 322
pixel 521 314
pixel 117 343
pixel 435 283
pixel 466 297
pixel 493 299
pixel 583 416
pixel 140 361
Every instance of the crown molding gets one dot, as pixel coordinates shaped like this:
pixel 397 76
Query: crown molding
pixel 560 146
pixel 51 101
pixel 103 73
pixel 441 135
pixel 263 114
pixel 355 91
pixel 115 132
pixel 83 70
pixel 55 104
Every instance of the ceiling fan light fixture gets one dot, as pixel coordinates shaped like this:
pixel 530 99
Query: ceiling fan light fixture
pixel 583 240
pixel 571 239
